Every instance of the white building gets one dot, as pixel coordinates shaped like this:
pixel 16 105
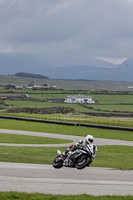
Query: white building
pixel 79 99
pixel 45 86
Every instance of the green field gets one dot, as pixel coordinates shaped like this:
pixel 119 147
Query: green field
pixel 116 108
pixel 108 104
pixel 110 107
pixel 114 101
pixel 68 84
pixel 101 98
pixel 113 98
pixel 44 104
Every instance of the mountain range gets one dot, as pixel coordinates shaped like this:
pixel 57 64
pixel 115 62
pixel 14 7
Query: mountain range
pixel 65 68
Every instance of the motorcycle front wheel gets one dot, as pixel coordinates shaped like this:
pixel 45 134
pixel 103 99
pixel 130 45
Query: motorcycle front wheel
pixel 82 162
pixel 58 162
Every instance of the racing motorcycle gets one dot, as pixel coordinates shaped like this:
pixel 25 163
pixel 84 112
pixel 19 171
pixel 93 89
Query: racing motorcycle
pixel 79 158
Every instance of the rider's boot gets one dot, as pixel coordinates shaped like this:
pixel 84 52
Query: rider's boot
pixel 67 163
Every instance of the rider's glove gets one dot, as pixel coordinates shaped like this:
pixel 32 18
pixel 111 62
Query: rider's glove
pixel 66 151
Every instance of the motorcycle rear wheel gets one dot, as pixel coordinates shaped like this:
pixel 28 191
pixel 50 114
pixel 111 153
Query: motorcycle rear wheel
pixel 58 162
pixel 82 162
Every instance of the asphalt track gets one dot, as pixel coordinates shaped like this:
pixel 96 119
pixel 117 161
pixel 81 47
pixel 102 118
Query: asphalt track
pixel 45 179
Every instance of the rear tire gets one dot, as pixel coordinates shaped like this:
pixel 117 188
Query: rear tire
pixel 58 162
pixel 82 162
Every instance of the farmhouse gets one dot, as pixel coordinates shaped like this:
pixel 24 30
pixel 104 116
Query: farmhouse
pixel 5 96
pixel 78 99
pixel 45 86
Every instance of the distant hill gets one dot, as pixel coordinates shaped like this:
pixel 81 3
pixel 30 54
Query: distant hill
pixel 81 72
pixel 124 72
pixel 65 68
pixel 38 76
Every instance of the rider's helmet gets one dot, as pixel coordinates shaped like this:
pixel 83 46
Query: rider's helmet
pixel 89 139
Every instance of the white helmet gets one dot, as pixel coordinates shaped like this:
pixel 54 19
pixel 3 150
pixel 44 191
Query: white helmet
pixel 89 139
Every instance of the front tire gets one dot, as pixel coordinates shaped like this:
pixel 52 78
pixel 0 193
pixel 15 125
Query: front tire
pixel 58 162
pixel 82 162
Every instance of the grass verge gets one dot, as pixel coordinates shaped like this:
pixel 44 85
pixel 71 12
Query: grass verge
pixel 24 139
pixel 63 129
pixel 117 157
pixel 38 196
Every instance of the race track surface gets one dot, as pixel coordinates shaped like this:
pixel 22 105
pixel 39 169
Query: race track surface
pixel 98 141
pixel 46 179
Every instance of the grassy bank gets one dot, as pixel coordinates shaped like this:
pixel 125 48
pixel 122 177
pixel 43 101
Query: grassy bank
pixel 78 118
pixel 37 196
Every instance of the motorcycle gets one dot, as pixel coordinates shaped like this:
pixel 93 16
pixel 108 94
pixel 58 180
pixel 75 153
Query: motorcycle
pixel 79 158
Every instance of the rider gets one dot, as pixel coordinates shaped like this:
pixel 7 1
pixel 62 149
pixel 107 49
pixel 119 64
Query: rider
pixel 87 144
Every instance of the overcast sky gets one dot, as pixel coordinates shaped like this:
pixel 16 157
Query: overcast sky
pixel 79 28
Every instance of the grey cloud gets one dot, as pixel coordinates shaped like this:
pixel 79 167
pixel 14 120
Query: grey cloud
pixel 75 27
